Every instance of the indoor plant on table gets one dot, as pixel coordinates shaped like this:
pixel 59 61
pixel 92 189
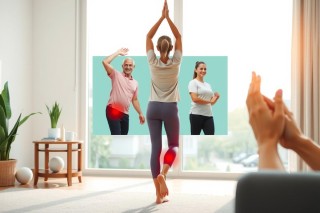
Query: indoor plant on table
pixel 54 113
pixel 7 165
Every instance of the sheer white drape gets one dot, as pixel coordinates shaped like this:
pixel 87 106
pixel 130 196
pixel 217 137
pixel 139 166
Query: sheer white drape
pixel 305 68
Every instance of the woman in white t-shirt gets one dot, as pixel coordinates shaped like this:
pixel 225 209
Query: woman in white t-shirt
pixel 201 117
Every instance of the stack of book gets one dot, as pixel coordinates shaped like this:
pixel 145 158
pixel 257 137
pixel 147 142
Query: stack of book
pixel 50 139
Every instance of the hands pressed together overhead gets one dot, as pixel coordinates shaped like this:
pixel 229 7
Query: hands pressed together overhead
pixel 165 10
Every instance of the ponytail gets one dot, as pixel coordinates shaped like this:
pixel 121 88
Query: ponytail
pixel 164 47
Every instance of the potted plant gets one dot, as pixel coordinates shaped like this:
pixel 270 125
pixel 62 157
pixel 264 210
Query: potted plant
pixel 7 165
pixel 54 113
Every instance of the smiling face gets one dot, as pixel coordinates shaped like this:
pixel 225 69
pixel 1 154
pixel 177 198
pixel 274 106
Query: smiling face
pixel 201 70
pixel 128 66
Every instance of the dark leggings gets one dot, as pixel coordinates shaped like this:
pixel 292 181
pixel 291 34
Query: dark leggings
pixel 118 121
pixel 166 113
pixel 200 122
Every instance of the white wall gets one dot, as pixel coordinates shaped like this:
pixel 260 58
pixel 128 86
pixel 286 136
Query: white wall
pixel 54 74
pixel 38 54
pixel 55 77
pixel 16 57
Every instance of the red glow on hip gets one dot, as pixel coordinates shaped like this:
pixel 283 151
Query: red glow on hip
pixel 114 113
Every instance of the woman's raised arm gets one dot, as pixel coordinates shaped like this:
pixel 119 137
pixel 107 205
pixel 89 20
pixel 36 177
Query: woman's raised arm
pixel 154 29
pixel 174 29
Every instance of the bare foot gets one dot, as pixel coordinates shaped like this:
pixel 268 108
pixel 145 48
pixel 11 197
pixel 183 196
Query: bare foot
pixel 160 200
pixel 163 186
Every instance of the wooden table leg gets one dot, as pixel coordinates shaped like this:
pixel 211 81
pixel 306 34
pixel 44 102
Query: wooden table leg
pixel 46 161
pixel 69 164
pixel 80 161
pixel 36 164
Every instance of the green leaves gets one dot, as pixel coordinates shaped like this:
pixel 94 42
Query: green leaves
pixel 5 100
pixel 6 138
pixel 3 123
pixel 54 114
pixel 9 140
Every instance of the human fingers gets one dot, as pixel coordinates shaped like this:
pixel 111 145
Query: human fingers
pixel 164 7
pixel 278 104
pixel 288 112
pixel 257 84
pixel 269 102
pixel 250 90
pixel 253 74
pixel 254 97
pixel 124 51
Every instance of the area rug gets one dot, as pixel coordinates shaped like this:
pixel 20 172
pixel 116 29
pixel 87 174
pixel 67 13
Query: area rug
pixel 59 200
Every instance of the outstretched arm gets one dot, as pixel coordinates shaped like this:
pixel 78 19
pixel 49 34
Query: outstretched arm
pixel 154 29
pixel 107 61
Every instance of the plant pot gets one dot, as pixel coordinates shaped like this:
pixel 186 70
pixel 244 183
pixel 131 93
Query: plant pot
pixel 7 172
pixel 54 133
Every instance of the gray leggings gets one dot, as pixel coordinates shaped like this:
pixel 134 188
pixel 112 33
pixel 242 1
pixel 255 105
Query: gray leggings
pixel 166 113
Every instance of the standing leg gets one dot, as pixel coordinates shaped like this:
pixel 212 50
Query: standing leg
pixel 196 123
pixel 113 118
pixel 124 124
pixel 208 126
pixel 155 128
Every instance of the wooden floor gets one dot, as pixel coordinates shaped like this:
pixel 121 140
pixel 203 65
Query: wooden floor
pixel 94 183
pixel 119 194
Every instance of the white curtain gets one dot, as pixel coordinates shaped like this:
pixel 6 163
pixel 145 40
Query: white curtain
pixel 305 69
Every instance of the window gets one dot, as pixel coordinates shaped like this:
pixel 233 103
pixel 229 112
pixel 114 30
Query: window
pixel 244 31
pixel 253 41
pixel 111 26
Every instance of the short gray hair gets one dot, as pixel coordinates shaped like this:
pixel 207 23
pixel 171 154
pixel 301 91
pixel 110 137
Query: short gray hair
pixel 128 59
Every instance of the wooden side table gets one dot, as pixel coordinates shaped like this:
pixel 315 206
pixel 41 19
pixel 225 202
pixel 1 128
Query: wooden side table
pixel 67 146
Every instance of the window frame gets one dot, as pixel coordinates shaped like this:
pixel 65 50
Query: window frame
pixel 83 57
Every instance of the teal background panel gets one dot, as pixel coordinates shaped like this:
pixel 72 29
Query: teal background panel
pixel 217 77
